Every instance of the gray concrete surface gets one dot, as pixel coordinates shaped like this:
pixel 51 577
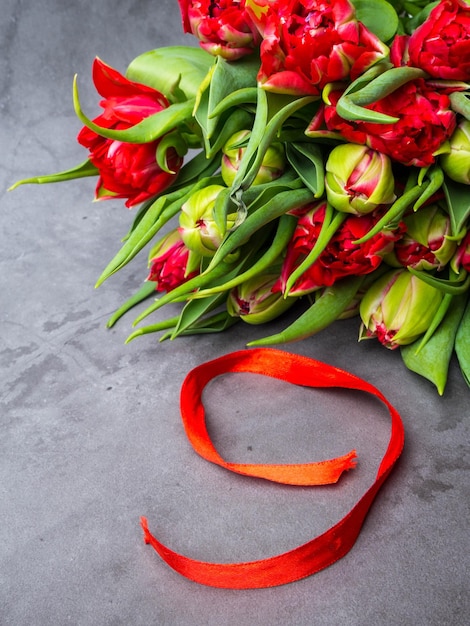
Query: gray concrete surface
pixel 91 436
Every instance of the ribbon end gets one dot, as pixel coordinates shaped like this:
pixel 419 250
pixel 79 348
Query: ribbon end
pixel 336 467
pixel 145 528
pixel 350 461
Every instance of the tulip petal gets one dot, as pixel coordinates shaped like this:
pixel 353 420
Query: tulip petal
pixel 288 82
pixel 432 361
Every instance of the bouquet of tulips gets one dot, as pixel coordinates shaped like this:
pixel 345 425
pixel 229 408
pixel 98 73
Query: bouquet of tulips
pixel 309 153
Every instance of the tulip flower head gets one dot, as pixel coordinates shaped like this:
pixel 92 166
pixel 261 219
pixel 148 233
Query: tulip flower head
pixel 271 168
pixel 341 256
pixel 170 263
pixel 358 179
pixel 224 28
pixel 426 245
pixel 198 229
pixel 310 43
pixel 425 123
pixel 440 46
pixel 255 302
pixel 398 308
pixel 126 170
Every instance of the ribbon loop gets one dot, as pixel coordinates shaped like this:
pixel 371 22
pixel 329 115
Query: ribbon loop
pixel 321 551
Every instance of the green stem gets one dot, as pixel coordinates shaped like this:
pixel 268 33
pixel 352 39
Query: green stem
pixel 321 313
pixel 147 289
pixel 285 230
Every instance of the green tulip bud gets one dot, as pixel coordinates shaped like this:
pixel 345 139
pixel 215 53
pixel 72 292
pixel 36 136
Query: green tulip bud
pixel 358 179
pixel 198 229
pixel 398 308
pixel 255 302
pixel 272 167
pixel 456 163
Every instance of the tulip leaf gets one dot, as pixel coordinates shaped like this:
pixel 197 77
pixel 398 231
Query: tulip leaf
pixel 149 129
pixel 230 77
pixel 147 290
pixel 169 142
pixel 419 12
pixel 257 196
pixel 225 79
pixel 351 111
pixel 153 328
pixel 385 83
pixel 216 323
pixel 435 179
pixel 284 232
pixel 281 114
pixel 239 98
pixel 253 198
pixel 458 203
pixel 183 292
pixel 437 319
pixel 462 344
pixel 351 104
pixel 159 68
pixel 307 160
pixel 194 310
pixel 271 112
pixel 278 205
pixel 432 360
pixel 450 286
pixel 257 131
pixel 150 224
pixel 395 212
pixel 323 312
pixel 80 171
pixel 256 135
pixel 201 108
pixel 141 211
pixel 378 16
pixel 196 168
pixel 228 125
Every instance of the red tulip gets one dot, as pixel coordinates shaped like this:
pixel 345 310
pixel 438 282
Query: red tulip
pixel 309 43
pixel 425 122
pixel 441 45
pixel 223 27
pixel 126 170
pixel 427 244
pixel 341 257
pixel 169 263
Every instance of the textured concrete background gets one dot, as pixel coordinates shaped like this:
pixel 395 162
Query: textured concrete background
pixel 91 436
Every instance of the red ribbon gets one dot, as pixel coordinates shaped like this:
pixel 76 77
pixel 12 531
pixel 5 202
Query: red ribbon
pixel 325 549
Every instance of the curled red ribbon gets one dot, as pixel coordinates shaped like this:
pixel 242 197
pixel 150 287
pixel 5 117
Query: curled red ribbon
pixel 321 551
